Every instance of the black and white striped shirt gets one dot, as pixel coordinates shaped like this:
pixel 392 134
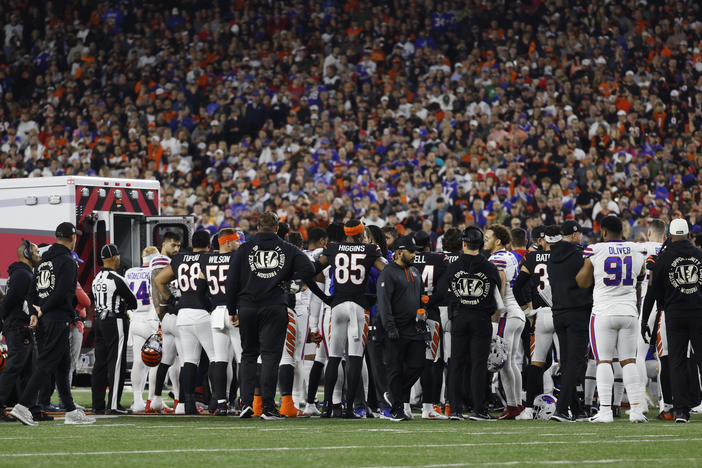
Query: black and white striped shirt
pixel 111 294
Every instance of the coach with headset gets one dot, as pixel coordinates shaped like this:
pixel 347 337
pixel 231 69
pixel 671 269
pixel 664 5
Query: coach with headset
pixel 472 286
pixel 676 286
pixel 14 314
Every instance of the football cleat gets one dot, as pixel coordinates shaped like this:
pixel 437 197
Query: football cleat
pixel 246 412
pixel 221 410
pixel 603 416
pixel 272 415
pixel 399 415
pixel 697 409
pixel 360 412
pixel 385 413
pixel 637 417
pixel 457 417
pixel 438 409
pixel 433 415
pixel 481 416
pixel 561 417
pixel 138 407
pixel 683 418
pixel 311 410
pixel 526 415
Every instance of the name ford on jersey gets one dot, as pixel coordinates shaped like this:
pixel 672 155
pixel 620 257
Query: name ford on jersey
pixel 266 263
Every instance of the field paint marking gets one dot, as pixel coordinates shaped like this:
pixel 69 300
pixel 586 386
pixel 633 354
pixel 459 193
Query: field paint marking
pixel 545 462
pixel 339 447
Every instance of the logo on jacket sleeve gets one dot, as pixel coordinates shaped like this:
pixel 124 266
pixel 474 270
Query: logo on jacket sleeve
pixel 684 275
pixel 470 289
pixel 46 279
pixel 266 264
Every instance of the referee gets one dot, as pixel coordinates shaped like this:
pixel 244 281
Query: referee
pixel 112 298
pixel 256 290
pixel 676 285
pixel 52 308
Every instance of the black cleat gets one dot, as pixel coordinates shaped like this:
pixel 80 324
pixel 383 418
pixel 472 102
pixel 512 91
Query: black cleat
pixel 457 417
pixel 272 415
pixel 485 416
pixel 246 413
pixel 561 417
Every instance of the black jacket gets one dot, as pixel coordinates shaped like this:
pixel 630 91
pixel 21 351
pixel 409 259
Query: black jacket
pixel 563 265
pixel 676 283
pixel 54 286
pixel 399 291
pixel 469 285
pixel 13 310
pixel 259 269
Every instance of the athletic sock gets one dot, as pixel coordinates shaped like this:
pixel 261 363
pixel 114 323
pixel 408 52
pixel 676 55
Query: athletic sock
pixel 605 381
pixel 188 375
pixel 330 376
pixel 286 377
pixel 664 381
pixel 160 378
pixel 590 382
pixel 218 374
pixel 534 383
pixel 313 381
pixel 632 383
pixel 353 376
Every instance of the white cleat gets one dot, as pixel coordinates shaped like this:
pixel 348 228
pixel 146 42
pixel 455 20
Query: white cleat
pixel 77 416
pixel 311 410
pixel 433 415
pixel 527 414
pixel 637 417
pixel 697 409
pixel 604 416
pixel 23 414
pixel 179 409
pixel 137 406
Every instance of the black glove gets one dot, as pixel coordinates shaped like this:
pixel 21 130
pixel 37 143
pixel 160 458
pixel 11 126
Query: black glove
pixel 646 333
pixel 651 262
pixel 393 335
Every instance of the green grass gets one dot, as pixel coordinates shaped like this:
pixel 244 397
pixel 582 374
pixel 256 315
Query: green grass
pixel 216 441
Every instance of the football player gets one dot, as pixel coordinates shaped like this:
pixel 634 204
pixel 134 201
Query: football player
pixel 615 268
pixel 656 236
pixel 431 265
pixel 510 326
pixel 533 282
pixel 193 320
pixel 225 331
pixel 143 324
pixel 171 341
pixel 351 262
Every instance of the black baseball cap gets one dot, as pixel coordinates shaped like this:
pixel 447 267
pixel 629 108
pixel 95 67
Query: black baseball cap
pixel 422 238
pixel 109 251
pixel 570 227
pixel 406 243
pixel 65 230
pixel 539 232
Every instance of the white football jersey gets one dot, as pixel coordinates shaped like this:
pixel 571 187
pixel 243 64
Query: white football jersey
pixel 162 261
pixel 616 264
pixel 649 248
pixel 507 262
pixel 139 281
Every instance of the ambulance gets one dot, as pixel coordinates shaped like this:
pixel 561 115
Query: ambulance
pixel 125 212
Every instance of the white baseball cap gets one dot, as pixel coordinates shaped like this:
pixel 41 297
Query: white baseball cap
pixel 679 227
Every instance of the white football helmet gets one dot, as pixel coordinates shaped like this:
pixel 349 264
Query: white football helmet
pixel 544 407
pixel 498 354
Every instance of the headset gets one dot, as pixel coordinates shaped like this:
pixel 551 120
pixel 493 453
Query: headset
pixel 27 252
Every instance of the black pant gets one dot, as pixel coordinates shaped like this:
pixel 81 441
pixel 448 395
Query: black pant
pixel 18 367
pixel 262 332
pixel 374 355
pixel 681 331
pixel 54 357
pixel 470 342
pixel 404 359
pixel 572 330
pixel 110 359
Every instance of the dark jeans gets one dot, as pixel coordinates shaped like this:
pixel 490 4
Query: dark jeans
pixel 405 361
pixel 110 359
pixel 680 332
pixel 262 332
pixel 18 367
pixel 54 357
pixel 470 343
pixel 572 330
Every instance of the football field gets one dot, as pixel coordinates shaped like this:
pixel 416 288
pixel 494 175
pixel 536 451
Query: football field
pixel 209 441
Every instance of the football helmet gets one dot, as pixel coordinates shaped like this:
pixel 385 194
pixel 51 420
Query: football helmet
pixel 544 407
pixel 152 351
pixel 498 354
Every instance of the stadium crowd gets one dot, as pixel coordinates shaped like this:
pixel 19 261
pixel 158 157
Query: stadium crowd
pixel 414 114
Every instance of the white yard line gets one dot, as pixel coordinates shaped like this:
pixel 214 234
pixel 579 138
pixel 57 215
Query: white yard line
pixel 344 447
pixel 604 461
